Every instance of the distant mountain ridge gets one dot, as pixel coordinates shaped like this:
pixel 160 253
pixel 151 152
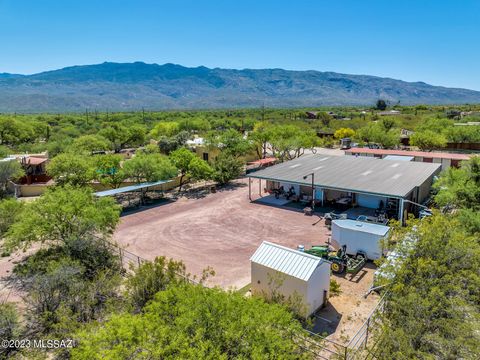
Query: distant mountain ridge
pixel 132 86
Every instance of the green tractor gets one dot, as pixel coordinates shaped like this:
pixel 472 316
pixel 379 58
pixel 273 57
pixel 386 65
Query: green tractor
pixel 339 259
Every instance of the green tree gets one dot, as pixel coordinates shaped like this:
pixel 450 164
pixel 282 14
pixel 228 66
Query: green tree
pixel 260 137
pixel 432 309
pixel 149 167
pixel 121 135
pixel 71 169
pixel 151 277
pixel 226 167
pixel 149 149
pixel 9 131
pixel 428 140
pixel 199 169
pixel 290 141
pixel 9 171
pixel 325 118
pixel 169 144
pixel 381 105
pixel 463 134
pixel 61 214
pixel 377 133
pixel 230 141
pixel 10 210
pixel 388 123
pixel 189 165
pixel 193 322
pixel 89 143
pixel 9 327
pixel 344 133
pixel 108 170
pixel 460 187
pixel 165 128
pixel 4 151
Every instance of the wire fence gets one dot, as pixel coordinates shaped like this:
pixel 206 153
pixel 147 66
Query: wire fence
pixel 362 345
pixel 130 261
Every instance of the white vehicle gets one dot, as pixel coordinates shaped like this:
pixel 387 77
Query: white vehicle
pixel 361 238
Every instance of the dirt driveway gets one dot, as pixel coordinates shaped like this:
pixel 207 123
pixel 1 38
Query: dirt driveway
pixel 221 230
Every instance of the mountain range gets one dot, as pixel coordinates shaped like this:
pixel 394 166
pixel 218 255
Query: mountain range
pixel 133 86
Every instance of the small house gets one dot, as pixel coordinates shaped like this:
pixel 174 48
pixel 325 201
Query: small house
pixel 281 271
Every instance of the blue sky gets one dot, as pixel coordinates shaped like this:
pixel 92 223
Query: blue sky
pixel 436 41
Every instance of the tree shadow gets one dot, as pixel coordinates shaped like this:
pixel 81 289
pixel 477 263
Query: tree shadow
pixel 129 210
pixel 204 191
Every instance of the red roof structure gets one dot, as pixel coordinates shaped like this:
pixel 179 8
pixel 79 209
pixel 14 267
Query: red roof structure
pixel 426 154
pixel 261 162
pixel 31 160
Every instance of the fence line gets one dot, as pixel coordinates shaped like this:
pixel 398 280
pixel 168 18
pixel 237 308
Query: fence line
pixel 127 259
pixel 321 347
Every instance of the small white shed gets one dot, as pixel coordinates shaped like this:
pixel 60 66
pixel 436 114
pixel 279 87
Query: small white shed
pixel 290 273
pixel 360 237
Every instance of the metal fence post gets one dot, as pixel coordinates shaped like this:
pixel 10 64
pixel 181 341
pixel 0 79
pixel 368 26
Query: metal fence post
pixel 366 334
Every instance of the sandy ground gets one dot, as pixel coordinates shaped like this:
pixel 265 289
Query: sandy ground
pixel 8 293
pixel 346 313
pixel 221 230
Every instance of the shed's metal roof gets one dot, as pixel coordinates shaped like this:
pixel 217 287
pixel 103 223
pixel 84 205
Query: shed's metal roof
pixel 354 174
pixel 288 261
pixel 362 226
pixel 130 188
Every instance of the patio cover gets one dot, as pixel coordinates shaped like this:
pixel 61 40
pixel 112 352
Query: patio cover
pixel 130 188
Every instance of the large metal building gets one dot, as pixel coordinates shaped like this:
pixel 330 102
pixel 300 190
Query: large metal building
pixel 367 182
pixel 290 273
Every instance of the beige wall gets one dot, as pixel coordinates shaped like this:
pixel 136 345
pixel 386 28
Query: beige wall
pixel 318 283
pixel 31 190
pixel 311 293
pixel 290 286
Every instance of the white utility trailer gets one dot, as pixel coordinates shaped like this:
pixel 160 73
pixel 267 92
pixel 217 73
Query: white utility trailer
pixel 361 238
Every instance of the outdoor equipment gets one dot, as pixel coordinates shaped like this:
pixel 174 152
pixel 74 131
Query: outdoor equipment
pixel 339 259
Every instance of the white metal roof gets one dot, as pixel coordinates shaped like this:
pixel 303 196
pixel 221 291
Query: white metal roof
pixel 399 158
pixel 353 174
pixel 362 226
pixel 288 261
pixel 125 189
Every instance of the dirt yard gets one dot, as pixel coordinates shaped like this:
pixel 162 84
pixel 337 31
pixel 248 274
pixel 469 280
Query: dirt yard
pixel 221 230
pixel 346 313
